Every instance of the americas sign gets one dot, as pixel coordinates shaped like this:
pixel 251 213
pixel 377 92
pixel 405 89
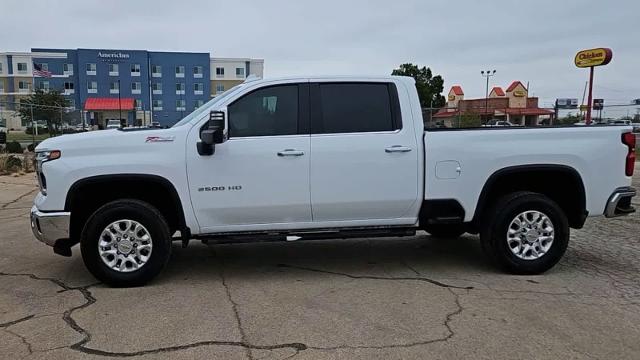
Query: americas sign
pixel 593 57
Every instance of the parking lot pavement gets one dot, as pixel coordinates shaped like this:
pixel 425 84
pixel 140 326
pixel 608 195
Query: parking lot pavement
pixel 411 298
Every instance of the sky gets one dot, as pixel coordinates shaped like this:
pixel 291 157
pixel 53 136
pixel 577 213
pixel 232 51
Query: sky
pixel 531 41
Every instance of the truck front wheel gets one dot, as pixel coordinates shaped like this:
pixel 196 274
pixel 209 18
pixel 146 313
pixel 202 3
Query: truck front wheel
pixel 125 243
pixel 525 233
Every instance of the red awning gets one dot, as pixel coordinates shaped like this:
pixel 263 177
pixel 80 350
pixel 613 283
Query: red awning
pixel 108 104
pixel 528 111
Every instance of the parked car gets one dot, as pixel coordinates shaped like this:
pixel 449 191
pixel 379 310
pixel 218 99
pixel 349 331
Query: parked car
pixel 114 124
pixel 324 157
pixel 497 122
pixel 620 122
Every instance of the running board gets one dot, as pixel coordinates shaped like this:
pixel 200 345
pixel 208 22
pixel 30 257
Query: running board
pixel 319 234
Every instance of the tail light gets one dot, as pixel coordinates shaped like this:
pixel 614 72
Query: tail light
pixel 629 139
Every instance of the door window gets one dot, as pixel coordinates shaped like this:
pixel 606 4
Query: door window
pixel 355 107
pixel 268 111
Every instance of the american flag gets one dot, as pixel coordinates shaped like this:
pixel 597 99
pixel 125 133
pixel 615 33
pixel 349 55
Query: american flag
pixel 37 71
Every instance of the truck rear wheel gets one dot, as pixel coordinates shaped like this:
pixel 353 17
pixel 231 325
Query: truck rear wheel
pixel 525 233
pixel 445 231
pixel 125 243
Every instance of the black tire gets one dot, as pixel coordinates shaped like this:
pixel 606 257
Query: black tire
pixel 496 223
pixel 136 210
pixel 445 231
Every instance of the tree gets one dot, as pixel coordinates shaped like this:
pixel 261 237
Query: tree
pixel 47 105
pixel 429 87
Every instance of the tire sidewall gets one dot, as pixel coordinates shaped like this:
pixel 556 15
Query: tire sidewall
pixel 511 209
pixel 141 212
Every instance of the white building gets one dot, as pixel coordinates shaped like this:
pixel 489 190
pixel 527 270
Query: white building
pixel 229 72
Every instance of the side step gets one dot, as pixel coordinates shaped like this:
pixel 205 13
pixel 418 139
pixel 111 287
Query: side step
pixel 320 234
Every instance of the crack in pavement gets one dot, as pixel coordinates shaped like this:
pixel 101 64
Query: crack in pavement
pixel 80 346
pixel 372 277
pixel 447 324
pixel 234 307
pixel 22 339
pixel 9 323
pixel 4 206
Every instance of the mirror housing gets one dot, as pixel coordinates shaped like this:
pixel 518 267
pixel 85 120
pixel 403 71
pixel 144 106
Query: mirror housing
pixel 213 134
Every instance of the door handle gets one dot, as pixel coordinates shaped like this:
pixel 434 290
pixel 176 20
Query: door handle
pixel 397 148
pixel 290 152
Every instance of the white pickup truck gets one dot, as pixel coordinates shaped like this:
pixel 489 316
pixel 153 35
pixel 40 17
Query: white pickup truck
pixel 323 157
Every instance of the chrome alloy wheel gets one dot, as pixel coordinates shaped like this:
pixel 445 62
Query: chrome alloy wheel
pixel 530 235
pixel 125 245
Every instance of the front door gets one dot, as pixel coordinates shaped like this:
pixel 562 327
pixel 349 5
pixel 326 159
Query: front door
pixel 259 178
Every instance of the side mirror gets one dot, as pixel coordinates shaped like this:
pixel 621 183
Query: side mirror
pixel 213 134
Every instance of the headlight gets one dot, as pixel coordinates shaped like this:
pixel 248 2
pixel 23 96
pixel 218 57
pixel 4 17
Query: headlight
pixel 42 157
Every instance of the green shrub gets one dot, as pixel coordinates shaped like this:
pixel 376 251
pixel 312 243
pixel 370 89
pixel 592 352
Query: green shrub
pixel 14 147
pixel 13 164
pixel 32 146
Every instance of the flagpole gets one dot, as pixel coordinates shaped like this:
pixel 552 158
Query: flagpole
pixel 34 129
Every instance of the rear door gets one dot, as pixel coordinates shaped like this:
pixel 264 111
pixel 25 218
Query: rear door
pixel 364 154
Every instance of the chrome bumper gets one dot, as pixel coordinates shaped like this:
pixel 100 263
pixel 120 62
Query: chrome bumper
pixel 619 202
pixel 49 227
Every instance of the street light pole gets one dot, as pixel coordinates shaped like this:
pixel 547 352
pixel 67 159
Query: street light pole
pixel 487 74
pixel 119 104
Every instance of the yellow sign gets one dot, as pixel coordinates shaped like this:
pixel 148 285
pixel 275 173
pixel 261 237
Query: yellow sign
pixel 519 93
pixel 452 97
pixel 593 57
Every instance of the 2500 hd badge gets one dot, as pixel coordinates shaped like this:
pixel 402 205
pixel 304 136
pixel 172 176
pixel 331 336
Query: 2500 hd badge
pixel 220 188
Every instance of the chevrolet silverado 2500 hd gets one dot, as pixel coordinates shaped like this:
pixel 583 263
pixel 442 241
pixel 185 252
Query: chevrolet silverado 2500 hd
pixel 323 157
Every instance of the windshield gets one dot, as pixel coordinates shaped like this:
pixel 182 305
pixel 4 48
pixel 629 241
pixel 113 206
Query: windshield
pixel 202 109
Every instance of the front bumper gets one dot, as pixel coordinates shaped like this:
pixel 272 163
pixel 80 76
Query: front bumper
pixel 49 227
pixel 619 202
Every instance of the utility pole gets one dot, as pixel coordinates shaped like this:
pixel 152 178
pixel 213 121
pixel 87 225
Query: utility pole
pixel 119 104
pixel 487 74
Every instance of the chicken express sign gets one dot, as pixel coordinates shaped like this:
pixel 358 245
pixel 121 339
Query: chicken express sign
pixel 590 59
pixel 593 57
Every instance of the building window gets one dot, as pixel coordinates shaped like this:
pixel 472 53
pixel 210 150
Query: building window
pixel 44 86
pixel 23 86
pixel 219 88
pixel 198 103
pixel 91 69
pixel 157 104
pixel 22 68
pixel 240 72
pixel 136 88
pixel 181 105
pixel 180 88
pixel 135 69
pixel 198 88
pixel 67 69
pixel 44 66
pixel 92 87
pixel 197 72
pixel 156 71
pixel 156 88
pixel 72 103
pixel 1 86
pixel 68 88
pixel 219 72
pixel 0 68
pixel 180 71
pixel 113 70
pixel 114 87
pixel 138 104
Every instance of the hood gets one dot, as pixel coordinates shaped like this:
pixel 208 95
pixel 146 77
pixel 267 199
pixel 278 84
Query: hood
pixel 110 140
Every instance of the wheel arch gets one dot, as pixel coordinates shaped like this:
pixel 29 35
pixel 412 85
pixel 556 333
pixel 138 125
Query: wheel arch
pixel 566 188
pixel 87 194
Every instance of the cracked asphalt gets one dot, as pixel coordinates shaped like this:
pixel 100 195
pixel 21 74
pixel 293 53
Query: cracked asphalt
pixel 406 298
